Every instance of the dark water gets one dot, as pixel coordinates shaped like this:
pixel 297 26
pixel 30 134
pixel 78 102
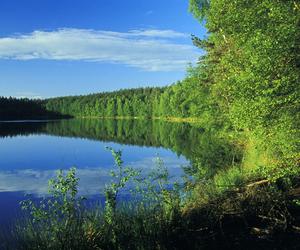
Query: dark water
pixel 31 152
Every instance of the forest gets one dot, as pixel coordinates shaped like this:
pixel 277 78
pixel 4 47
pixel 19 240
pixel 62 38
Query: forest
pixel 244 92
pixel 24 109
pixel 124 103
pixel 181 99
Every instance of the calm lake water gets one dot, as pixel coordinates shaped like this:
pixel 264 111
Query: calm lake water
pixel 31 152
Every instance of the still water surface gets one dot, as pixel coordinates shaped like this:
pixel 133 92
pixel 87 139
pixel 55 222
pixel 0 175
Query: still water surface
pixel 31 152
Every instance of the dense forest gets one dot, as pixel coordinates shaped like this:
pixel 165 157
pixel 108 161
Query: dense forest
pixel 176 100
pixel 245 94
pixel 124 103
pixel 24 109
pixel 182 99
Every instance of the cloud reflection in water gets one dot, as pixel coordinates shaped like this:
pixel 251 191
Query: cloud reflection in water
pixel 92 180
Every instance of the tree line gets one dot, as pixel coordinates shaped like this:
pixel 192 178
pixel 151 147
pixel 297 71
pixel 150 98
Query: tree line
pixel 24 108
pixel 175 100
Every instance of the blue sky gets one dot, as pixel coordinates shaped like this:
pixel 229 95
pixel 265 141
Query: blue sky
pixel 68 47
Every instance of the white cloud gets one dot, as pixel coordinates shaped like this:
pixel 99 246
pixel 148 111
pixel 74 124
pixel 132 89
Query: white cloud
pixel 150 50
pixel 158 33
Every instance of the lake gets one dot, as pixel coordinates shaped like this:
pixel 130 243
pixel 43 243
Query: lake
pixel 32 151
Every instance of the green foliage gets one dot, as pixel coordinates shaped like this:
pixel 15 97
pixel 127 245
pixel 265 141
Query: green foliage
pixel 253 64
pixel 61 221
pixel 64 204
pixel 199 8
pixel 55 222
pixel 122 176
pixel 123 103
pixel 158 192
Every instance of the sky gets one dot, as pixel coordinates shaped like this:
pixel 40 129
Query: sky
pixel 69 47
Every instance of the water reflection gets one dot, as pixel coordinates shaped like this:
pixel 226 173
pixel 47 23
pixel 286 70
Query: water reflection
pixel 181 138
pixel 92 180
pixel 41 143
pixel 31 152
